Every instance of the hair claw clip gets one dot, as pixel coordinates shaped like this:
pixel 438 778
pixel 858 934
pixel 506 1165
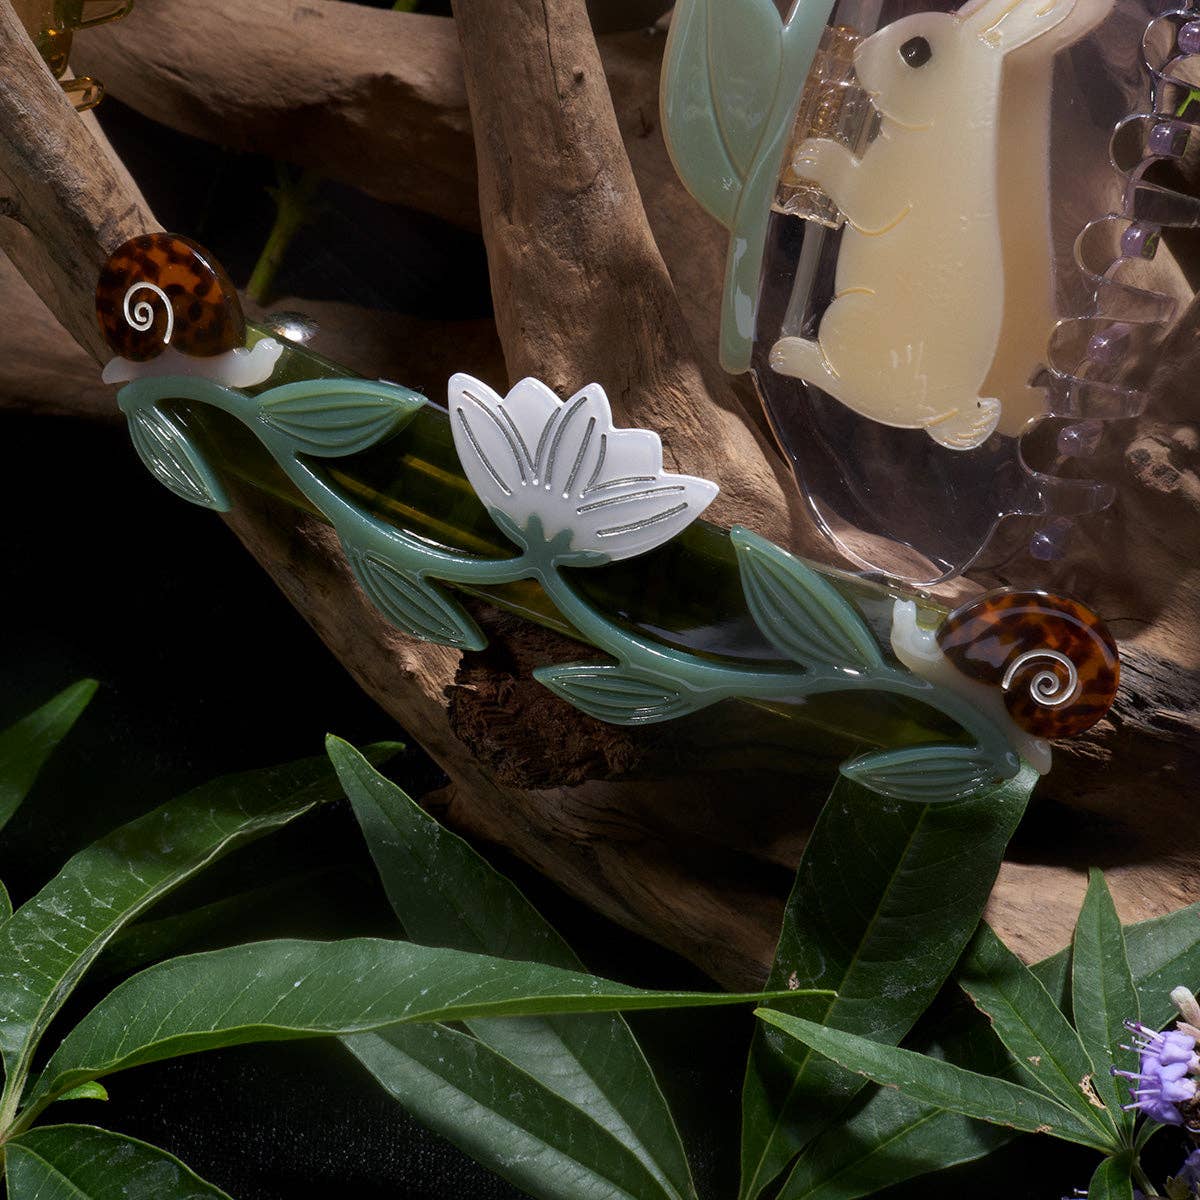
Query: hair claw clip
pixel 918 290
pixel 556 496
pixel 53 23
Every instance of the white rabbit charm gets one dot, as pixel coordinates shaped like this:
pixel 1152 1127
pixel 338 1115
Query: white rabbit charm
pixel 918 335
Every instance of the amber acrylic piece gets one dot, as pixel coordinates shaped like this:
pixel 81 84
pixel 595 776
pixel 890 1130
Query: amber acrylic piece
pixel 835 107
pixel 51 24
pixel 1054 659
pixel 162 289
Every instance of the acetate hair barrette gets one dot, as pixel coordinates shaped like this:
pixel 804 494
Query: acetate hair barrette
pixel 53 23
pixel 547 508
pixel 948 227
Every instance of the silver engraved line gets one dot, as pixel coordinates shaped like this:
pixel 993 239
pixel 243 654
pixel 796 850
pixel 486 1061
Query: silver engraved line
pixel 1046 688
pixel 141 316
pixel 491 416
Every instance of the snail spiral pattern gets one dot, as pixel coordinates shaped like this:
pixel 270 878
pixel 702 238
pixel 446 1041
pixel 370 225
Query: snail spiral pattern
pixel 161 290
pixel 141 315
pixel 1054 660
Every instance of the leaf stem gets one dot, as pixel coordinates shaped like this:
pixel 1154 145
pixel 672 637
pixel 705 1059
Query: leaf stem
pixel 1140 1178
pixel 293 210
pixel 704 680
pixel 717 681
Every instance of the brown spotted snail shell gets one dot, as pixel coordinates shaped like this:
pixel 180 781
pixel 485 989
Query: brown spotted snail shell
pixel 1053 658
pixel 161 290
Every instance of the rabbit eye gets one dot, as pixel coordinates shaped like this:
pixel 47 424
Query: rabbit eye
pixel 916 52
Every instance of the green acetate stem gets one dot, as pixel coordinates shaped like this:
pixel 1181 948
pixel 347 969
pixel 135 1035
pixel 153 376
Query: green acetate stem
pixel 407 502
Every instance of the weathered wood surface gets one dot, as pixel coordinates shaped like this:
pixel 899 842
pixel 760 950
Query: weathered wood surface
pixel 601 267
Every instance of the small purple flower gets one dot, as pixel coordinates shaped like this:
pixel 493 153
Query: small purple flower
pixel 1166 1060
pixel 1189 1173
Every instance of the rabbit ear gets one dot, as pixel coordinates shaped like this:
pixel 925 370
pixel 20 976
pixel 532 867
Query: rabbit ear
pixel 1006 24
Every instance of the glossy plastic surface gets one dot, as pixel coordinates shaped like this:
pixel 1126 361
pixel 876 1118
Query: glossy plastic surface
pixel 966 238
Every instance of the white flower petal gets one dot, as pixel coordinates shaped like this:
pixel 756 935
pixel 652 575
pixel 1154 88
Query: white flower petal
pixel 489 454
pixel 627 520
pixel 627 456
pixel 530 456
pixel 573 444
pixel 528 412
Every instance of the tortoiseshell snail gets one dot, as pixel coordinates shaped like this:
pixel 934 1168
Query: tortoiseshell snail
pixel 1046 665
pixel 167 307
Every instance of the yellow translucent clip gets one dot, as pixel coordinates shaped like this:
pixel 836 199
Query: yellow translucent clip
pixel 52 23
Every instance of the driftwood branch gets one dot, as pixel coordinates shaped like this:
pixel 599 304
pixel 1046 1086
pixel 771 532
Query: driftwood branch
pixel 601 268
pixel 295 84
pixel 69 204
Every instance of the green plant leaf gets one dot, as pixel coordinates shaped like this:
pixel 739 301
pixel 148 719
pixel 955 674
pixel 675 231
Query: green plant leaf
pixel 25 746
pixel 941 1084
pixel 927 774
pixel 51 940
pixel 80 1162
pixel 5 904
pixel 502 1116
pixel 885 1144
pixel 891 1138
pixel 145 942
pixel 284 990
pixel 86 1091
pixel 1048 1052
pixel 168 454
pixel 1105 997
pixel 614 694
pixel 414 605
pixel 885 899
pixel 1163 953
pixel 802 615
pixel 447 895
pixel 335 417
pixel 1112 1180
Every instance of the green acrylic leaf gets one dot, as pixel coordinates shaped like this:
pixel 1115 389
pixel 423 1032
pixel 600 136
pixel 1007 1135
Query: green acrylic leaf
pixel 1105 995
pixel 941 1084
pixel 168 454
pixel 86 1091
pixel 25 746
pixel 51 940
pixel 886 897
pixel 80 1162
pixel 503 1117
pixel 447 895
pixel 744 56
pixel 284 990
pixel 929 774
pixel 334 417
pixel 414 605
pixel 697 144
pixel 802 615
pixel 1047 1050
pixel 1112 1180
pixel 614 694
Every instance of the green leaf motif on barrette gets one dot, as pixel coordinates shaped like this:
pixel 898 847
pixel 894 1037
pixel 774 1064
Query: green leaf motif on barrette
pixel 414 605
pixel 615 694
pixel 721 74
pixel 335 417
pixel 931 774
pixel 171 458
pixel 801 615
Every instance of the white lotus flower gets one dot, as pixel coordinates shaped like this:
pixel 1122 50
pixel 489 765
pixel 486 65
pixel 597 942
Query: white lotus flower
pixel 533 458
